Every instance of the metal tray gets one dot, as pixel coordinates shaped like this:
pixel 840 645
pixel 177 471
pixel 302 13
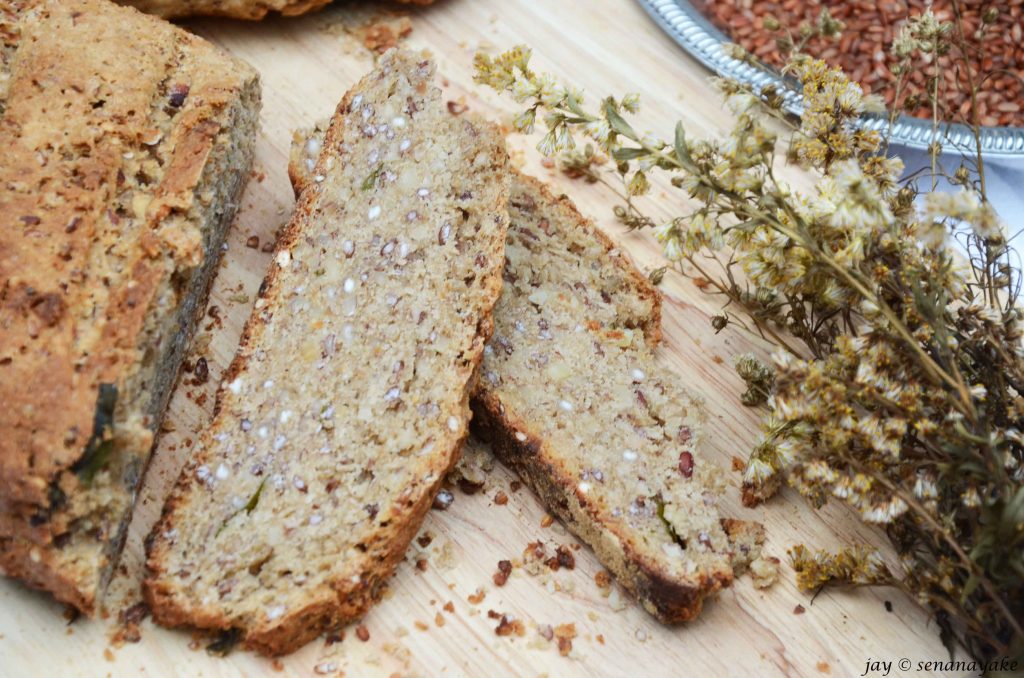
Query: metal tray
pixel 694 33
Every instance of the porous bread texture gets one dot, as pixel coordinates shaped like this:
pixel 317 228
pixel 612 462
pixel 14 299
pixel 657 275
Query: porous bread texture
pixel 128 143
pixel 572 397
pixel 237 9
pixel 349 398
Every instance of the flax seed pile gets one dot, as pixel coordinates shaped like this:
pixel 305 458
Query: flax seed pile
pixel 996 50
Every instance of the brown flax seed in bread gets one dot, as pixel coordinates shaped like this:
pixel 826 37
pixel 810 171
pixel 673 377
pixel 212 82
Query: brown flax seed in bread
pixel 127 143
pixel 348 400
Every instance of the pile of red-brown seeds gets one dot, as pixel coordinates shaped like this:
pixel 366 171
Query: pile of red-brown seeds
pixel 995 49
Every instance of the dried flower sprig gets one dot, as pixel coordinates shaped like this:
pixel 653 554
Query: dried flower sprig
pixel 899 384
pixel 857 566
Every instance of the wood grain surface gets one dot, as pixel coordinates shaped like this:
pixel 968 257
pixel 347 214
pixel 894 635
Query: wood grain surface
pixel 606 47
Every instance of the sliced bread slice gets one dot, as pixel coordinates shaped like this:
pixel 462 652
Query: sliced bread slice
pixel 349 398
pixel 571 396
pixel 127 143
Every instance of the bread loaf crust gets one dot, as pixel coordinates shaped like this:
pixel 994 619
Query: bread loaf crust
pixel 97 288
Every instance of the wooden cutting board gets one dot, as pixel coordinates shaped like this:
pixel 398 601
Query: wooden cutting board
pixel 606 47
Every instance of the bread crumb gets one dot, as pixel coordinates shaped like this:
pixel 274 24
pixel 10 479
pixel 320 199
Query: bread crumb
pixel 563 558
pixel 439 619
pixel 504 570
pixel 603 581
pixel 478 597
pixel 615 600
pixel 444 559
pixel 362 633
pixel 108 654
pixel 383 33
pixel 508 625
pixel 449 607
pixel 546 521
pixel 823 667
pixel 399 652
pixel 422 626
pixel 799 609
pixel 565 634
pixel 534 556
pixel 500 498
pixel 764 571
pixel 129 619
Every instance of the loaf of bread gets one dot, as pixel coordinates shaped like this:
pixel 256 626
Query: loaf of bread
pixel 571 396
pixel 236 9
pixel 349 398
pixel 127 143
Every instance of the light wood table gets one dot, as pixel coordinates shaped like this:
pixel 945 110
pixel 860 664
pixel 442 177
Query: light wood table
pixel 604 46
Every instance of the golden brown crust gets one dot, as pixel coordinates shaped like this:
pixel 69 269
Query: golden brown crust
pixel 87 275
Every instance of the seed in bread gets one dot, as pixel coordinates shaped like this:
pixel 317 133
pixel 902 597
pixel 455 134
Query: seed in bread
pixel 349 398
pixel 127 143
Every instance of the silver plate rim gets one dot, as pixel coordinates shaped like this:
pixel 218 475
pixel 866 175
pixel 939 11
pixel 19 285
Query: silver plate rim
pixel 695 34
